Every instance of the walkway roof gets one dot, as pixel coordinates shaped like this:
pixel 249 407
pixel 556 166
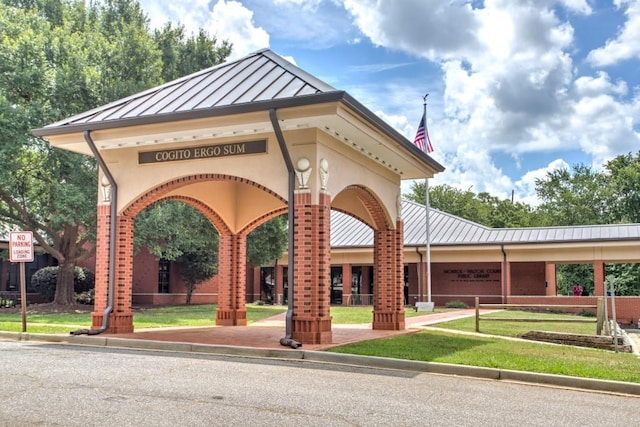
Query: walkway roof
pixel 450 230
pixel 244 89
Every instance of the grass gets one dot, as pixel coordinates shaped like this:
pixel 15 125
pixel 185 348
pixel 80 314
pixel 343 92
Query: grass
pixel 354 315
pixel 491 350
pixel 157 317
pixel 516 329
pixel 162 317
pixel 451 342
pixel 445 347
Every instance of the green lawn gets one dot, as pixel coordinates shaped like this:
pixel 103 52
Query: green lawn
pixel 516 329
pixel 444 347
pixel 160 317
pixel 488 349
pixel 156 317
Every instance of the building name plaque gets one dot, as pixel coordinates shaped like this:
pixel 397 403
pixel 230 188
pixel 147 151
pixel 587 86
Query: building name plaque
pixel 472 274
pixel 203 152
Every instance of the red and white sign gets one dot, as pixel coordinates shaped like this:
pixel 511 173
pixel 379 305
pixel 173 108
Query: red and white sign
pixel 21 246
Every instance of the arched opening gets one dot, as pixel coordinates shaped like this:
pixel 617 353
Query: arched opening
pixel 388 284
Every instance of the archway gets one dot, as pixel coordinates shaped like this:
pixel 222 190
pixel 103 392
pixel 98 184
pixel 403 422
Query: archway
pixel 175 140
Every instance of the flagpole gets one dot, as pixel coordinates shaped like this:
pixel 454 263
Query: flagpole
pixel 427 209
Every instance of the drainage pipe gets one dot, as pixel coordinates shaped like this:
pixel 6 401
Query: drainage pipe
pixel 287 340
pixel 504 275
pixel 112 239
pixel 420 268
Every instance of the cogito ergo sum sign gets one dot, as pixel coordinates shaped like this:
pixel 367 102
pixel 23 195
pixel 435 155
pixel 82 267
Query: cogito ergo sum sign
pixel 21 246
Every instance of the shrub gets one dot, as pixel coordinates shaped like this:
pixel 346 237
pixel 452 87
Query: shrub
pixel 44 281
pixel 85 297
pixel 455 304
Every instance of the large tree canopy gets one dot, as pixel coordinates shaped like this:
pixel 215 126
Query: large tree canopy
pixel 481 208
pixel 58 58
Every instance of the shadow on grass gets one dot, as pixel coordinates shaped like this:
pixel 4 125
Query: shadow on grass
pixel 424 346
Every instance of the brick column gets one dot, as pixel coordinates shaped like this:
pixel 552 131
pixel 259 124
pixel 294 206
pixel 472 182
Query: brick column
pixel 507 285
pixel 278 289
pixel 551 289
pixel 598 279
pixel 388 298
pixel 365 286
pixel 346 284
pixel 121 318
pixel 232 273
pixel 311 275
pixel 102 265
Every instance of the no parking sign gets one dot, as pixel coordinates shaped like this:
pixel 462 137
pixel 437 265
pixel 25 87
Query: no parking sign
pixel 21 246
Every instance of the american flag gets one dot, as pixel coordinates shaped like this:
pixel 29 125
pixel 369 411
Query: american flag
pixel 422 140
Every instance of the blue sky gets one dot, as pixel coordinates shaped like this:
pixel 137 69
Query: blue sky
pixel 516 87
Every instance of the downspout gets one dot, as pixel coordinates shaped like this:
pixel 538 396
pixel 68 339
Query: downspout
pixel 112 239
pixel 419 275
pixel 287 340
pixel 504 275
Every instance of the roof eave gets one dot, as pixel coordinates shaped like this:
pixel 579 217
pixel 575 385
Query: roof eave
pixel 299 101
pixel 193 114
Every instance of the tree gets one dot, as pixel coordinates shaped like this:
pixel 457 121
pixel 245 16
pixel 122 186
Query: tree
pixel 183 55
pixel 574 197
pixel 44 190
pixel 58 58
pixel 480 208
pixel 451 200
pixel 624 183
pixel 265 245
pixel 195 268
pixel 177 232
pixel 268 242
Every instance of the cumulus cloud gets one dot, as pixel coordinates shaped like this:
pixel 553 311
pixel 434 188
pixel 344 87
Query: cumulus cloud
pixel 226 19
pixel 234 22
pixel 510 81
pixel 625 45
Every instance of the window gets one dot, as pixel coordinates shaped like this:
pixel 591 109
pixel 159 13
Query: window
pixel 163 275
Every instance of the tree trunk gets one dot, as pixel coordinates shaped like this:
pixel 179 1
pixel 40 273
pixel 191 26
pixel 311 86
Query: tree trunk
pixel 64 284
pixel 189 293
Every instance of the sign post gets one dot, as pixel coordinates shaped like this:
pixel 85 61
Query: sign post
pixel 21 251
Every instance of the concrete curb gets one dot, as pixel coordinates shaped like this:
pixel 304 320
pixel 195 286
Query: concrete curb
pixel 338 358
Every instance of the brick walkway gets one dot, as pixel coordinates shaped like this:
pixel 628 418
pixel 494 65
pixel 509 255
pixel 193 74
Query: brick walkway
pixel 267 333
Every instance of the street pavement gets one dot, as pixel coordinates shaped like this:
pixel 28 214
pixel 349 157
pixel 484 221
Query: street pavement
pixel 61 384
pixel 261 340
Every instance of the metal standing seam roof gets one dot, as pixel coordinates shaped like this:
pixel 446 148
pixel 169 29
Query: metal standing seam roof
pixel 259 81
pixel 259 77
pixel 447 230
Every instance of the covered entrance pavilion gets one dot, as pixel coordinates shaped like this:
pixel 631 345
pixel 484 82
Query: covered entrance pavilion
pixel 244 142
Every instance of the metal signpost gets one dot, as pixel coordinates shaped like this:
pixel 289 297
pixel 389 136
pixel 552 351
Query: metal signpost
pixel 21 251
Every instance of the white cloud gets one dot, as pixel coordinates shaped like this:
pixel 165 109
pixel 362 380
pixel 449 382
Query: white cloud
pixel 510 83
pixel 578 6
pixel 525 187
pixel 232 21
pixel 190 14
pixel 625 46
pixel 226 20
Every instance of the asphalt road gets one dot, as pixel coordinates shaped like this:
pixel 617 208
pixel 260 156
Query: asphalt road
pixel 44 384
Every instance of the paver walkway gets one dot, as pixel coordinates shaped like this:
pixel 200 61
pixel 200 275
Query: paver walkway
pixel 268 332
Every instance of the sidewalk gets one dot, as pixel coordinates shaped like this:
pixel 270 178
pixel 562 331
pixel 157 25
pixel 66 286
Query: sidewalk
pixel 268 332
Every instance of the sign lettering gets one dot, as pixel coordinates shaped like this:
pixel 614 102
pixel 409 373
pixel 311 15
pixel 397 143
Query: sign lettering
pixel 21 246
pixel 203 152
pixel 473 275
